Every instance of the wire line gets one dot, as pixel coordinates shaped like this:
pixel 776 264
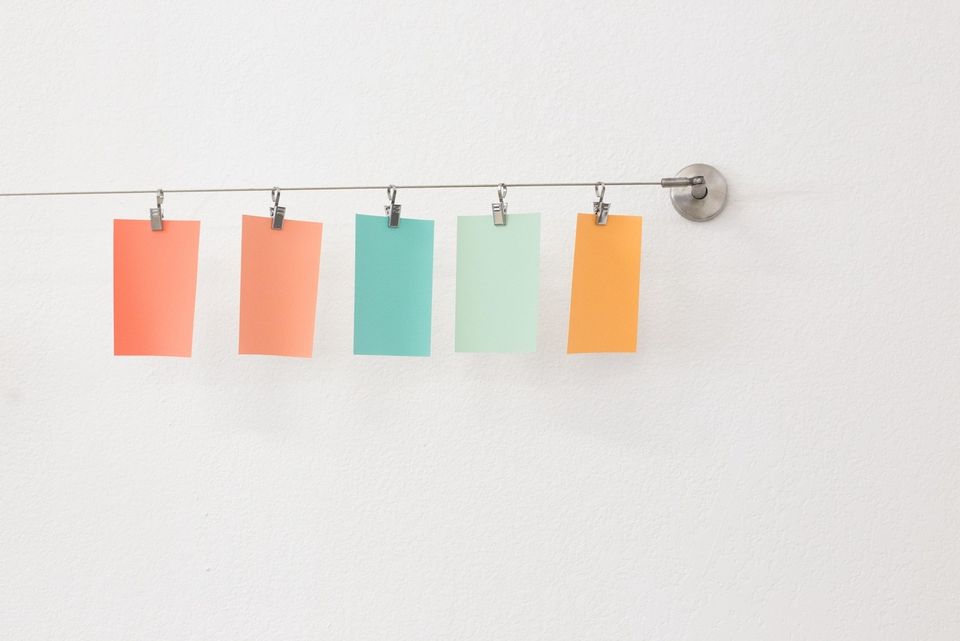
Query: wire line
pixel 211 190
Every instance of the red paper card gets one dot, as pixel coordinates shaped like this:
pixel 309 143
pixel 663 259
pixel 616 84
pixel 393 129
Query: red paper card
pixel 154 287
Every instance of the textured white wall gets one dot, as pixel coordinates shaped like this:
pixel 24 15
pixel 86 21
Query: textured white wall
pixel 778 461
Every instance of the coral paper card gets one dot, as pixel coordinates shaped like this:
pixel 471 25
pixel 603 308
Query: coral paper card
pixel 154 287
pixel 393 290
pixel 498 278
pixel 606 285
pixel 279 272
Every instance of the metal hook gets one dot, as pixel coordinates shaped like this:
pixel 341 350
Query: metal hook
pixel 276 212
pixel 500 209
pixel 156 213
pixel 393 209
pixel 600 209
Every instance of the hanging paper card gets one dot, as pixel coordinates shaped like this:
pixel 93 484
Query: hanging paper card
pixel 279 271
pixel 606 285
pixel 497 283
pixel 393 290
pixel 154 287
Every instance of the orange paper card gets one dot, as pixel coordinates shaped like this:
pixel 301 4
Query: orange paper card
pixel 606 285
pixel 279 271
pixel 154 287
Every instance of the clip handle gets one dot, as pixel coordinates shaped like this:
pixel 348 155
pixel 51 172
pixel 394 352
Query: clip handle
pixel 392 210
pixel 500 208
pixel 156 213
pixel 276 212
pixel 601 209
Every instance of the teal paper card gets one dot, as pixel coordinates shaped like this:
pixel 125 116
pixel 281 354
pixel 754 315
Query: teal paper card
pixel 393 290
pixel 498 280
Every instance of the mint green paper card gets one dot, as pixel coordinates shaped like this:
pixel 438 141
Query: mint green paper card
pixel 393 287
pixel 498 280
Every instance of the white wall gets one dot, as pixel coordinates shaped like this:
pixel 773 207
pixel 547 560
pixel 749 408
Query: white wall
pixel 778 461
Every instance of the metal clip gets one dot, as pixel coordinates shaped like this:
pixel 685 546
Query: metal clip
pixel 156 213
pixel 276 212
pixel 392 210
pixel 600 209
pixel 500 208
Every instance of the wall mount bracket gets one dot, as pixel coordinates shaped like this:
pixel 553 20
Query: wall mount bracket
pixel 698 192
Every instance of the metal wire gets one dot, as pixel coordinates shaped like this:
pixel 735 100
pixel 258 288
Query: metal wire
pixel 211 190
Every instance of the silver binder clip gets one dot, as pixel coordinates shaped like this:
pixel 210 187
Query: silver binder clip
pixel 276 212
pixel 393 209
pixel 500 208
pixel 600 208
pixel 156 213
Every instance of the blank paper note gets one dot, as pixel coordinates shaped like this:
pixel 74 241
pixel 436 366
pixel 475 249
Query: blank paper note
pixel 606 285
pixel 279 272
pixel 498 275
pixel 154 287
pixel 393 288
